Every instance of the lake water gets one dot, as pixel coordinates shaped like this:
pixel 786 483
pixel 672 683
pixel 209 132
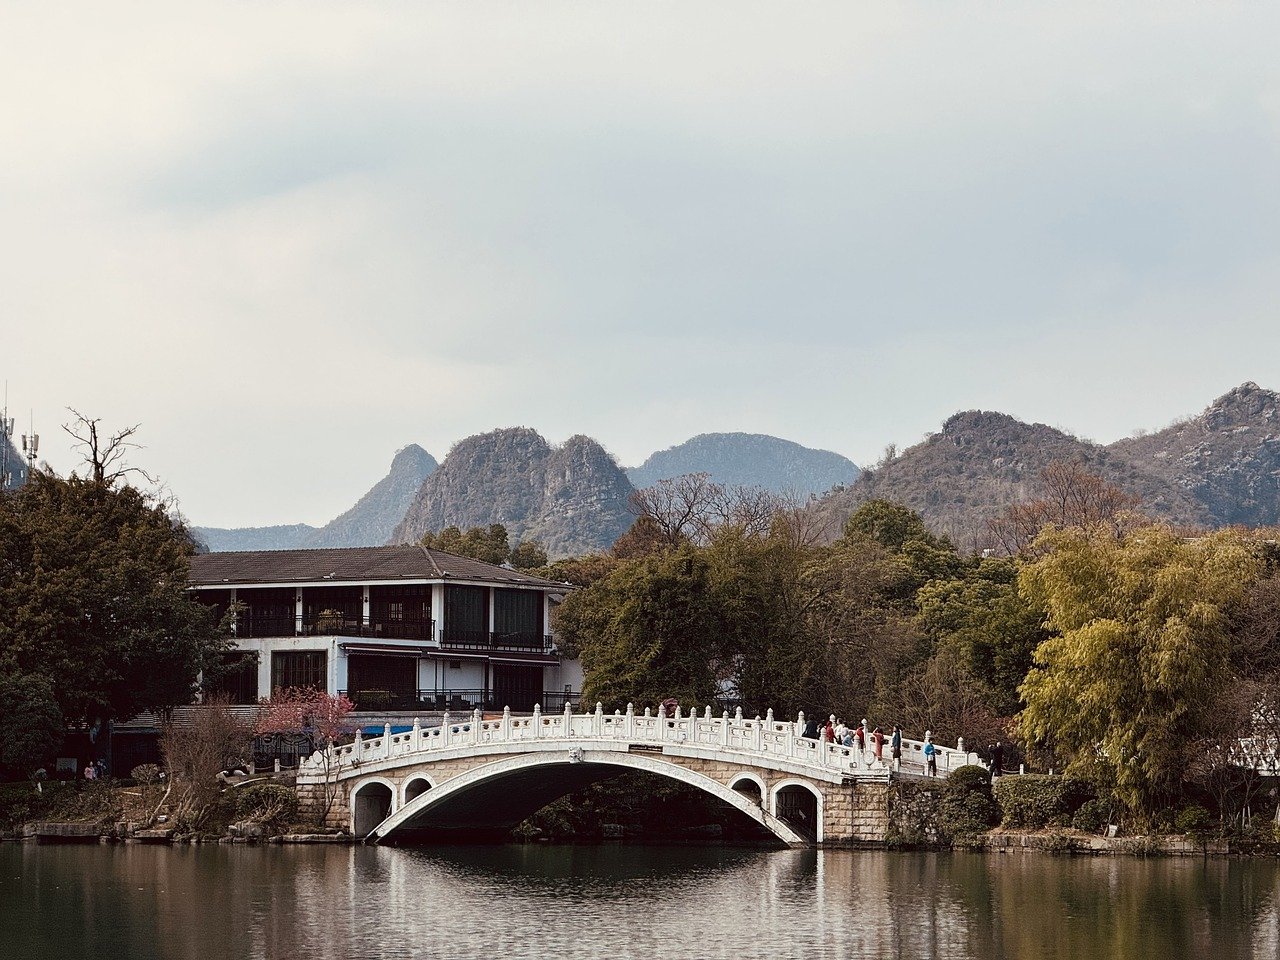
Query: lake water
pixel 604 902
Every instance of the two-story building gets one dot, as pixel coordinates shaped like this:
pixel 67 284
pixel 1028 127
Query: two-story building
pixel 401 628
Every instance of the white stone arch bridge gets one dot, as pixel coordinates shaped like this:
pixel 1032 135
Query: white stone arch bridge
pixel 473 778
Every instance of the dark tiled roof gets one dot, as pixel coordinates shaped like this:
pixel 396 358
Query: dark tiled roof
pixel 403 562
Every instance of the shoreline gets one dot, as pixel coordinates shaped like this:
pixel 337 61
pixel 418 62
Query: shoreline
pixel 996 843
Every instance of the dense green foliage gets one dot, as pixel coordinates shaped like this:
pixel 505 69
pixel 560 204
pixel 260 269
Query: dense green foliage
pixel 1035 801
pixel 1140 653
pixel 33 723
pixel 92 599
pixel 967 807
pixel 489 544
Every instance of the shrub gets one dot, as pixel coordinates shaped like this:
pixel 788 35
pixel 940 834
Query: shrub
pixel 1192 819
pixel 966 808
pixel 969 778
pixel 146 773
pixel 1034 801
pixel 965 815
pixel 1092 816
pixel 266 803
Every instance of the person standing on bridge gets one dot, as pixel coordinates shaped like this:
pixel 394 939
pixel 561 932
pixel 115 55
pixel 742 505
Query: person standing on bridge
pixel 861 736
pixel 895 744
pixel 877 738
pixel 829 730
pixel 810 729
pixel 930 756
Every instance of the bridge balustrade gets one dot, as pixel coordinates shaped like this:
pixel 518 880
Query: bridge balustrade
pixel 753 737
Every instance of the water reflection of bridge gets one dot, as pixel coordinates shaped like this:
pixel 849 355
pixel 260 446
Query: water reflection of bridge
pixel 475 778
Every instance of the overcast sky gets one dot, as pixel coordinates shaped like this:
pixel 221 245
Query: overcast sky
pixel 290 238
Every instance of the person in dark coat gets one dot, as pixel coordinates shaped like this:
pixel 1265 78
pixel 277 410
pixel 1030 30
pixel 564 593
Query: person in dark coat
pixel 997 759
pixel 810 729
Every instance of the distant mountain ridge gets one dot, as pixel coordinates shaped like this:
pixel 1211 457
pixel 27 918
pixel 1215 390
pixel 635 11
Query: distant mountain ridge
pixel 1220 467
pixel 749 460
pixel 368 524
pixel 572 498
pixel 1227 458
pixel 981 462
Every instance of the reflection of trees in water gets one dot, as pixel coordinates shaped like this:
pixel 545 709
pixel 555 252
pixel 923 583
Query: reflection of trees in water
pixel 334 903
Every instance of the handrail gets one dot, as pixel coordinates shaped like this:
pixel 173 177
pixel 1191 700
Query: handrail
pixel 769 738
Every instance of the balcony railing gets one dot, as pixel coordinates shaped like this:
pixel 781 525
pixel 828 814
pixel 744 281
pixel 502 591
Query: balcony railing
pixel 481 640
pixel 328 625
pixel 458 701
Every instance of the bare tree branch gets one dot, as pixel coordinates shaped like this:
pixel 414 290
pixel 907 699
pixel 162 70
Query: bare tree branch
pixel 104 457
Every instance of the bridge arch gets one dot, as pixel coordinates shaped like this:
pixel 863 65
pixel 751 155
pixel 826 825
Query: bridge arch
pixel 373 799
pixel 750 785
pixel 451 790
pixel 798 800
pixel 415 786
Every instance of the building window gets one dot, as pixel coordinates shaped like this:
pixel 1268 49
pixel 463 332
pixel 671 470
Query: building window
pixel 238 678
pixel 300 668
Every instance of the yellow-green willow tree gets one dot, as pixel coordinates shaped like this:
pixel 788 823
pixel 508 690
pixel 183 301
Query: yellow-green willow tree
pixel 1140 653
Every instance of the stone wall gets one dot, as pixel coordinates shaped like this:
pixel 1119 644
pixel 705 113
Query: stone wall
pixel 856 814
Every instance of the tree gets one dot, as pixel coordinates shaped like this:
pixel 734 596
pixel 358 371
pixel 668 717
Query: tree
pixel 648 631
pixel 488 544
pixel 990 626
pixel 92 597
pixel 34 727
pixel 1071 497
pixel 680 509
pixel 214 739
pixel 318 715
pixel 1139 655
pixel 529 555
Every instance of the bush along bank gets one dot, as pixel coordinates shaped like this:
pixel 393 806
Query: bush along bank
pixel 136 808
pixel 1058 814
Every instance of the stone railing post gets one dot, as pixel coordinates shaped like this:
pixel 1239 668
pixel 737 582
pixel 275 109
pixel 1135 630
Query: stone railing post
pixel 693 724
pixel 631 721
pixel 444 729
pixel 799 730
pixel 506 723
pixel 568 719
pixel 386 740
pixel 768 717
pixel 598 723
pixel 415 738
pixel 357 747
pixel 476 717
pixel 759 738
pixel 724 729
pixel 662 721
pixel 537 720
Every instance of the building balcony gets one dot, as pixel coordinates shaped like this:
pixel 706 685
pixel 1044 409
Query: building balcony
pixel 328 625
pixel 455 701
pixel 483 640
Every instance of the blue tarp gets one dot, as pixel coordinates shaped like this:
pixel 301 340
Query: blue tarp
pixel 377 731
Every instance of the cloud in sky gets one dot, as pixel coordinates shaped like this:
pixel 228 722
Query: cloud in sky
pixel 289 238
